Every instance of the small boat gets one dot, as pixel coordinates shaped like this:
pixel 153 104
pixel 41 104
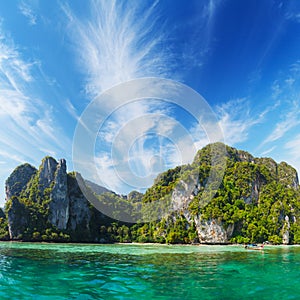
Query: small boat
pixel 254 247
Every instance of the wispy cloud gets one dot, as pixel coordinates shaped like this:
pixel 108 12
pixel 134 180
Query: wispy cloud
pixel 276 89
pixel 295 68
pixel 268 151
pixel 291 153
pixel 13 68
pixel 202 29
pixel 132 141
pixel 139 164
pixel 28 12
pixel 209 12
pixel 286 93
pixel 119 41
pixel 293 15
pixel 236 120
pixel 293 147
pixel 28 123
pixel 284 87
pixel 28 129
pixel 289 120
pixel 71 109
pixel 290 10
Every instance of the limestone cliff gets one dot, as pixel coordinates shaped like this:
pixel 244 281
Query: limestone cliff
pixel 221 197
pixel 213 232
pixel 59 205
pixel 250 187
pixel 47 172
pixel 47 202
pixel 80 208
pixel 18 180
pixel 18 219
pixel 17 212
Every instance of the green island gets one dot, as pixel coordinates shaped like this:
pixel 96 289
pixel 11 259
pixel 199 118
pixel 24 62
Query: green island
pixel 256 200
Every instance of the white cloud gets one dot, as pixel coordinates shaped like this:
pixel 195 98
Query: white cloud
pixel 295 68
pixel 282 127
pixel 291 10
pixel 201 30
pixel 19 105
pixel 290 81
pixel 294 147
pixel 293 155
pixel 235 120
pixel 136 160
pixel 71 109
pixel 285 91
pixel 294 16
pixel 276 89
pixel 13 68
pixel 210 10
pixel 5 153
pixel 104 164
pixel 28 129
pixel 270 150
pixel 290 120
pixel 143 134
pixel 120 41
pixel 28 12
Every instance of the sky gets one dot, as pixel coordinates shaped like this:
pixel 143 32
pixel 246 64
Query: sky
pixel 58 57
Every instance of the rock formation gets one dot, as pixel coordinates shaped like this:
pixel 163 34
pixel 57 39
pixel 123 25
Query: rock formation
pixel 53 197
pixel 255 199
pixel 59 205
pixel 18 180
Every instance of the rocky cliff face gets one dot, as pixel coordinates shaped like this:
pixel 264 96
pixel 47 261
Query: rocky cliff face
pixel 59 206
pixel 18 180
pixel 286 231
pixel 213 232
pixel 49 200
pixel 47 173
pixel 18 219
pixel 250 176
pixel 287 176
pixel 17 213
pixel 80 212
pixel 257 199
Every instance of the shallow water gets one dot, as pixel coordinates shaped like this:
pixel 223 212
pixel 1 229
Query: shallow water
pixel 75 271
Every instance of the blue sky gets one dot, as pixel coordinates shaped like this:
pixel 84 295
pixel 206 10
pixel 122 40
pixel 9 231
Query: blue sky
pixel 243 57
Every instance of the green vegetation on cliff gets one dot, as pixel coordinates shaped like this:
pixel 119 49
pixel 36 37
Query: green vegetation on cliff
pixel 224 196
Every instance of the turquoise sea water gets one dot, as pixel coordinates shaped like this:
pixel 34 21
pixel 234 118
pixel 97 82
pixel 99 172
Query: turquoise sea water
pixel 72 271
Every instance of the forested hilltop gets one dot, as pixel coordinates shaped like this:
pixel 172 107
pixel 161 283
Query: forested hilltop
pixel 256 200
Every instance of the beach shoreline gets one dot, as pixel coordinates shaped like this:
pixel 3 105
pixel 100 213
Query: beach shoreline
pixel 142 244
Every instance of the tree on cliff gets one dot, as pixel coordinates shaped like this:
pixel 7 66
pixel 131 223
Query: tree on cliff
pixel 255 200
